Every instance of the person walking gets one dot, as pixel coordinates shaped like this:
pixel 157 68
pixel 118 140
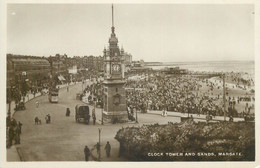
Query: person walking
pixel 13 122
pixel 207 117
pixel 191 117
pixel 49 118
pixel 108 149
pixel 37 104
pixel 87 153
pixel 46 119
pixel 231 119
pixel 20 126
pixel 94 119
pixel 68 112
pixel 17 136
pixel 36 120
pixel 98 148
pixel 11 135
pixel 88 119
pixel 18 130
pixel 93 112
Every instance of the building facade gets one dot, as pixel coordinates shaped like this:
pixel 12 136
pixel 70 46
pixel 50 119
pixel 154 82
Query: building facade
pixel 31 68
pixel 58 64
pixel 59 69
pixel 126 57
pixel 93 63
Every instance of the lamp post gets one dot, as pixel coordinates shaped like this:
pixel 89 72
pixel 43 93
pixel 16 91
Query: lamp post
pixel 85 82
pixel 9 101
pixel 82 84
pixel 102 100
pixel 224 96
pixel 102 121
pixel 136 119
pixel 24 89
pixel 99 134
pixel 95 101
pixel 136 115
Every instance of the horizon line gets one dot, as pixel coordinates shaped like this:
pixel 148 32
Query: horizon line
pixel 137 59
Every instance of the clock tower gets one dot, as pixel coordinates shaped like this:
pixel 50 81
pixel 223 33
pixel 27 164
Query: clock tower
pixel 114 91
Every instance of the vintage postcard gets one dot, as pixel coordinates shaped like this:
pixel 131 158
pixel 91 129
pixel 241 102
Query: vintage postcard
pixel 111 83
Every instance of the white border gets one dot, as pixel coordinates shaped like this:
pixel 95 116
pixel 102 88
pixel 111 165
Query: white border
pixel 5 164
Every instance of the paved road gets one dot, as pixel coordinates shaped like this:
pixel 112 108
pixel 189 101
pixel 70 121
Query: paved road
pixel 64 139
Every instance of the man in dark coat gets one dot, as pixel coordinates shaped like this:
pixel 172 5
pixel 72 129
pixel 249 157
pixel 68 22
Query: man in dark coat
pixel 11 135
pixel 87 153
pixel 20 126
pixel 94 119
pixel 49 118
pixel 98 148
pixel 108 149
pixel 88 118
pixel 13 122
pixel 68 112
pixel 231 119
pixel 46 119
pixel 17 136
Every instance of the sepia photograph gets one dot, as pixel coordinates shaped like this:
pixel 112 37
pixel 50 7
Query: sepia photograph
pixel 130 82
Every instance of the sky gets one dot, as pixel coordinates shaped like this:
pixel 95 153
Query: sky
pixel 152 32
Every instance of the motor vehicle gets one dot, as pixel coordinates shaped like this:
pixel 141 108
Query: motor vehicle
pixel 82 113
pixel 54 95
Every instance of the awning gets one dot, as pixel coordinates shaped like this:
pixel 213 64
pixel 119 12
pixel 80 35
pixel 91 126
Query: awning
pixel 61 78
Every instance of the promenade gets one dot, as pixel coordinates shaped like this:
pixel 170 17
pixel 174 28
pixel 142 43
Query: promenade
pixel 64 139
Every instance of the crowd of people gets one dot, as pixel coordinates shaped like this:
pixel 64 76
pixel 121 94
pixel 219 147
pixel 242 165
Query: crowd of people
pixel 95 93
pixel 185 94
pixel 87 151
pixel 238 79
pixel 14 130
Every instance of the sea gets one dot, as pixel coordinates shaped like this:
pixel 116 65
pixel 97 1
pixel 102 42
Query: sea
pixel 220 66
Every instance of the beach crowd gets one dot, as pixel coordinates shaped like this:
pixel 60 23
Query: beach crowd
pixel 185 94
pixel 189 94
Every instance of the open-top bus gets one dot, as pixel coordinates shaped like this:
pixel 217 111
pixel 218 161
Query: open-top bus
pixel 54 95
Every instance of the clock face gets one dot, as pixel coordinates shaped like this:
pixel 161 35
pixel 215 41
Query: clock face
pixel 116 68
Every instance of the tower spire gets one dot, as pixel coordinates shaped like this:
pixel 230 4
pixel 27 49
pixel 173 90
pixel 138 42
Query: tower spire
pixel 112 15
pixel 113 40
